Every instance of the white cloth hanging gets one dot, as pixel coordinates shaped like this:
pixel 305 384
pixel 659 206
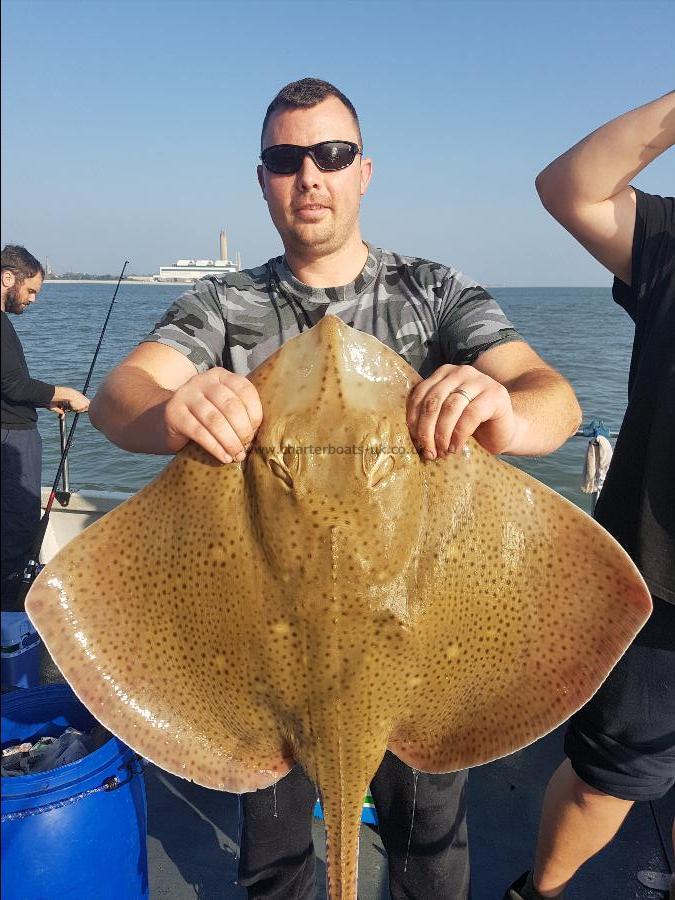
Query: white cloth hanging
pixel 596 464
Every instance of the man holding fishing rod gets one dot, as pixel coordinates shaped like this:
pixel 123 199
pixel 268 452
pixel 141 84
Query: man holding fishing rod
pixel 621 746
pixel 188 382
pixel 22 278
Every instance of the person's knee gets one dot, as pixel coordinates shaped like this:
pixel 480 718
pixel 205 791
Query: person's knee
pixel 587 797
pixel 583 794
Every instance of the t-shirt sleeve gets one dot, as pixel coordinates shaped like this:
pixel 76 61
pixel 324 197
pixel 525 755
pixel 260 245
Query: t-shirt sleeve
pixel 470 321
pixel 195 325
pixel 653 254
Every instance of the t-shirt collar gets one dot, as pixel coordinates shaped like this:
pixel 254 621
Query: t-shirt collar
pixel 363 280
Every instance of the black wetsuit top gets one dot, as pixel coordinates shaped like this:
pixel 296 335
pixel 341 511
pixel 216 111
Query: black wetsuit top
pixel 20 393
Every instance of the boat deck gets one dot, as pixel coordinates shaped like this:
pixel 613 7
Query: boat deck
pixel 193 837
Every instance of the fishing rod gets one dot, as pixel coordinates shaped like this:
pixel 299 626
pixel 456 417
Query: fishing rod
pixel 31 569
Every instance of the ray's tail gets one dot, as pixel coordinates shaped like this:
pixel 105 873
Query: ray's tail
pixel 342 765
pixel 342 815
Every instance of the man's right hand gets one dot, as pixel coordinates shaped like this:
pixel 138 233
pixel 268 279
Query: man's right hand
pixel 155 401
pixel 67 399
pixel 218 410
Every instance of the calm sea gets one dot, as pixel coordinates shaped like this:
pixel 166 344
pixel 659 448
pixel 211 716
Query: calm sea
pixel 580 331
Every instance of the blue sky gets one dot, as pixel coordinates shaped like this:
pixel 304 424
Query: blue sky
pixel 131 128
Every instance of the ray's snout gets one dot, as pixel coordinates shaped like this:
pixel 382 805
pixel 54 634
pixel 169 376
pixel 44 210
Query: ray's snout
pixel 313 474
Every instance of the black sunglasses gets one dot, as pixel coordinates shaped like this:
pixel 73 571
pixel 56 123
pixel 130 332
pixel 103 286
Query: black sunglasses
pixel 329 156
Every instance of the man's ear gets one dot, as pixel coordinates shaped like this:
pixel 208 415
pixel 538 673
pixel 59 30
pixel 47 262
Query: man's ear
pixel 261 181
pixel 8 278
pixel 366 173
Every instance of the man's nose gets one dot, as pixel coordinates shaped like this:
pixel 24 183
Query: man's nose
pixel 309 174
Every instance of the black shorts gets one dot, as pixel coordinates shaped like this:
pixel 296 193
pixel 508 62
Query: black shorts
pixel 623 741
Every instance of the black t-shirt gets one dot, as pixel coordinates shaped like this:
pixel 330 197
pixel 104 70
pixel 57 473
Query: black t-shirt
pixel 19 394
pixel 637 502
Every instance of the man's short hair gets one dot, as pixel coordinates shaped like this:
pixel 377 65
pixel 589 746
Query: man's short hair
pixel 18 260
pixel 304 94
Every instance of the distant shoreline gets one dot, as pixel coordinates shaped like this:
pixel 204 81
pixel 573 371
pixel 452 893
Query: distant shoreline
pixel 108 281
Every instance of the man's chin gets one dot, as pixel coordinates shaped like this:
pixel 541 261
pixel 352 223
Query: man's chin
pixel 312 236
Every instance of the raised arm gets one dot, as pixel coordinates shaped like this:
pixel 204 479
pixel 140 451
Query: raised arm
pixel 155 401
pixel 587 189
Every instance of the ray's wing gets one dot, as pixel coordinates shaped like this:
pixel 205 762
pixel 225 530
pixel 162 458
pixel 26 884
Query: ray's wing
pixel 524 606
pixel 151 615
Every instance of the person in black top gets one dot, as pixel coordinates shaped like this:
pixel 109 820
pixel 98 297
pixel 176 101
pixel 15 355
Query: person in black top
pixel 22 277
pixel 620 747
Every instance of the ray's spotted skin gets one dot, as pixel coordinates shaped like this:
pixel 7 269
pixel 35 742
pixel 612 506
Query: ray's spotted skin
pixel 319 605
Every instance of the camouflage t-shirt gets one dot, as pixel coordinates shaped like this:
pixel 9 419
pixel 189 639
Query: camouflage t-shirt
pixel 428 313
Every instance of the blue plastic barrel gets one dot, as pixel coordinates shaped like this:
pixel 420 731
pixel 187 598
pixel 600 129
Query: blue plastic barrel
pixel 78 831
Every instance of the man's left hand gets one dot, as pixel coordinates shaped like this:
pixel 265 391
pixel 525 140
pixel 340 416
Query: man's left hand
pixel 59 408
pixel 453 404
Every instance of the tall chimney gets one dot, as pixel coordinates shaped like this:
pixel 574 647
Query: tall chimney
pixel 223 246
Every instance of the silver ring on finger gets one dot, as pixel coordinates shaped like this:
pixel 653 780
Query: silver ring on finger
pixel 464 394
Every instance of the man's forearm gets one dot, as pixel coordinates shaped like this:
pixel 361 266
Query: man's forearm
pixel 547 412
pixel 20 388
pixel 604 162
pixel 129 409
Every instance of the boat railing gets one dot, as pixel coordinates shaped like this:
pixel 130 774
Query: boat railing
pixel 63 495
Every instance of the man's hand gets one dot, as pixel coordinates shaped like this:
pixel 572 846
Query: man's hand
pixel 155 401
pixel 510 400
pixel 454 403
pixel 218 410
pixel 67 399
